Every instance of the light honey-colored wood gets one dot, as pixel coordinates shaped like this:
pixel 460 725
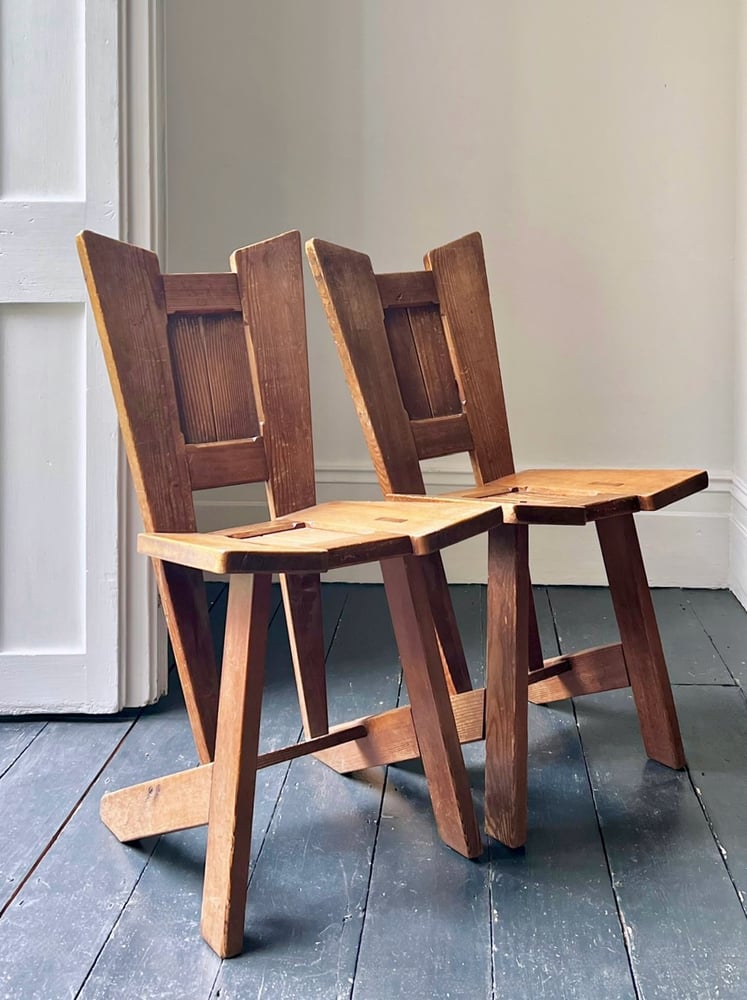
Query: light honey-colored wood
pixel 411 376
pixel 390 736
pixel 214 395
pixel 235 766
pixel 181 801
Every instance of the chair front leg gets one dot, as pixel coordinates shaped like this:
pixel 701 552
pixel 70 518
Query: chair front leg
pixel 641 642
pixel 235 767
pixel 432 715
pixel 507 676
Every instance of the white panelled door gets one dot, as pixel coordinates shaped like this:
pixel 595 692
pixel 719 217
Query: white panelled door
pixel 59 173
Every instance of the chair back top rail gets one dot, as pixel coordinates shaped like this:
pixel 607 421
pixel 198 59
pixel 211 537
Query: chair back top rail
pixel 209 372
pixel 419 353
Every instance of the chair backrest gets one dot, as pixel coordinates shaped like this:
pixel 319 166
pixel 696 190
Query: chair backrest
pixel 209 372
pixel 419 353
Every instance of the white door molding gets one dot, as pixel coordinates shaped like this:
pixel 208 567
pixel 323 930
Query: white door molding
pixel 143 667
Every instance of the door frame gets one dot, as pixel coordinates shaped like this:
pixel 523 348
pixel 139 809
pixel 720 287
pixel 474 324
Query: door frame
pixel 143 668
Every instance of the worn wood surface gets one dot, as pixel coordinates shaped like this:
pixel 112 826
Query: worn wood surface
pixel 506 681
pixel 382 908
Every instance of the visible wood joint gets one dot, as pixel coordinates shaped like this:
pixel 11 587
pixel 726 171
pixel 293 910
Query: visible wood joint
pixel 601 668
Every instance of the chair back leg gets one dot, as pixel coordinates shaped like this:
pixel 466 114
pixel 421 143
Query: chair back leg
pixel 640 639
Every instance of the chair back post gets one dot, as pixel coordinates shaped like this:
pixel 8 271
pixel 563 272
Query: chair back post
pixel 461 281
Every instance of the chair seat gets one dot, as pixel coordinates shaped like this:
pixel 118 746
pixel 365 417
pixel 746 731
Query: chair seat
pixel 577 496
pixel 329 535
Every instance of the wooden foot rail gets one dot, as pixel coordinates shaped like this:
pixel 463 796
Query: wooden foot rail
pixel 180 801
pixel 390 736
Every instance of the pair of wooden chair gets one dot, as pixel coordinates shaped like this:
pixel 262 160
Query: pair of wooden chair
pixel 210 377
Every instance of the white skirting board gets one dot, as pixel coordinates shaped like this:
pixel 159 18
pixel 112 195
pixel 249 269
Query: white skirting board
pixel 684 545
pixel 738 542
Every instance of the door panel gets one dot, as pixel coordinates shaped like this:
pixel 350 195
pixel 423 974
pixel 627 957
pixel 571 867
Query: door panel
pixel 59 173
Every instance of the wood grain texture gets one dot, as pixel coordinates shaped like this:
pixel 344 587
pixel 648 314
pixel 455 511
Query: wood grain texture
pixel 406 365
pixel 349 293
pixel 126 292
pixel 439 436
pixel 641 643
pixel 432 717
pixel 235 767
pixel 406 289
pixel 601 668
pixel 391 738
pixel 201 293
pixel 226 463
pixel 594 490
pixel 212 377
pixel 453 658
pixel 181 800
pixel 270 280
pixel 507 672
pixel 433 357
pixel 461 282
pixel 302 597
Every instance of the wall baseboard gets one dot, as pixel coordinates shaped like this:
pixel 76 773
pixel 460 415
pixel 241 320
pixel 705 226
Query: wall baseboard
pixel 685 545
pixel 738 541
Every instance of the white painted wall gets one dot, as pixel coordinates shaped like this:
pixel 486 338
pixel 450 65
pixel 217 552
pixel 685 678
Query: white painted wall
pixel 592 144
pixel 738 543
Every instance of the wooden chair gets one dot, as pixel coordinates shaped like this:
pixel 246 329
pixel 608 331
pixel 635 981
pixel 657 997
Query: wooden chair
pixel 419 354
pixel 210 378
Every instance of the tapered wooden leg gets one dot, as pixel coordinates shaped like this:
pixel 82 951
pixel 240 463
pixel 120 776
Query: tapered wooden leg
pixel 432 716
pixel 641 643
pixel 536 661
pixel 182 592
pixel 507 685
pixel 447 632
pixel 302 596
pixel 235 767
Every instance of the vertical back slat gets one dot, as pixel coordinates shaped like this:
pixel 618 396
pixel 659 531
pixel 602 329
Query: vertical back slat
pixel 191 379
pixel 271 289
pixel 270 278
pixel 461 281
pixel 348 289
pixel 234 407
pixel 435 363
pixel 212 377
pixel 125 288
pixel 406 364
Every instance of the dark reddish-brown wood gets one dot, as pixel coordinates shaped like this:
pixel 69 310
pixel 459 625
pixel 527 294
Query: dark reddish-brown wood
pixel 272 299
pixel 641 643
pixel 235 768
pixel 507 670
pixel 126 292
pixel 432 717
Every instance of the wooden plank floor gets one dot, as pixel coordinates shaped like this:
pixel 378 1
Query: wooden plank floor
pixel 633 884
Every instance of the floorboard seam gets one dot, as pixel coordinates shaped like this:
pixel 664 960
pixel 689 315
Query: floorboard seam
pixel 23 751
pixel 618 907
pixel 721 849
pixel 50 843
pixel 715 647
pixel 116 923
pixel 384 786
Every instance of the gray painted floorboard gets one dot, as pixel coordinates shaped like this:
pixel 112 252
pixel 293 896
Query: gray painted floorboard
pixel 633 878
